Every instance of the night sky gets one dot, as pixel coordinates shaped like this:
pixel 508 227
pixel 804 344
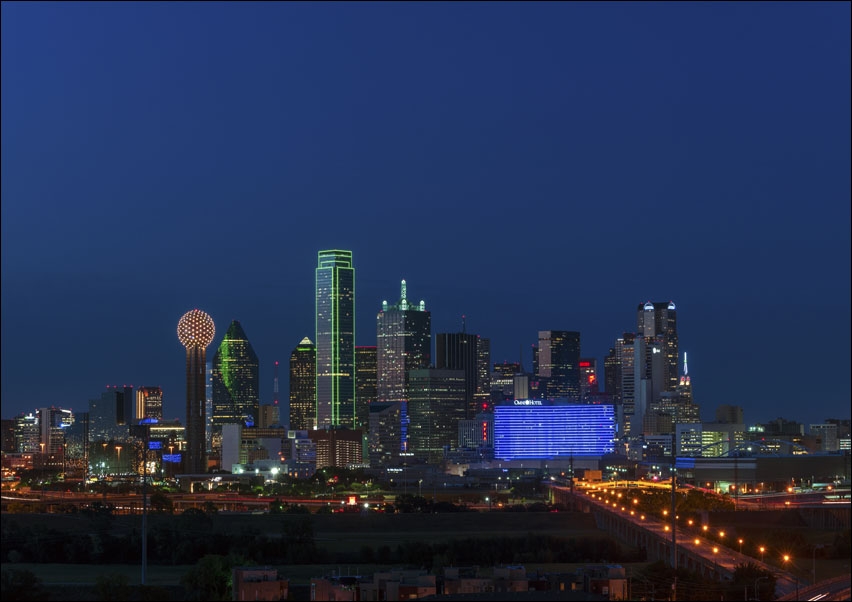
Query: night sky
pixel 531 166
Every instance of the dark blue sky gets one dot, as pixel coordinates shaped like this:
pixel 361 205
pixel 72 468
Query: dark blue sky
pixel 533 166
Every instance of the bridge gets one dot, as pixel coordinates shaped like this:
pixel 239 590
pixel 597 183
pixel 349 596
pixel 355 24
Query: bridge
pixel 698 554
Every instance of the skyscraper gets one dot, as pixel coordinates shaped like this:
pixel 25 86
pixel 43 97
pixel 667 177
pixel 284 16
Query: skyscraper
pixel 303 386
pixel 558 363
pixel 236 380
pixel 436 405
pixel 588 378
pixel 149 403
pixel 195 331
pixel 403 343
pixel 459 351
pixel 335 339
pixel 365 384
pixel 658 320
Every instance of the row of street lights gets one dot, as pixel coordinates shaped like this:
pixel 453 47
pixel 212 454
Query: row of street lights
pixel 785 558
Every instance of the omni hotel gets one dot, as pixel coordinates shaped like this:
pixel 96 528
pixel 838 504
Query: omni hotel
pixel 536 429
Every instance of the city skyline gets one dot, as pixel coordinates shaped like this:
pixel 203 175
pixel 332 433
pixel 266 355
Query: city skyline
pixel 529 167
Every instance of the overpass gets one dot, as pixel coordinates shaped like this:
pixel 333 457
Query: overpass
pixel 694 553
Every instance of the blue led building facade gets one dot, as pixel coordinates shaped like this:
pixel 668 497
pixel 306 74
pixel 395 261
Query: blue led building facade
pixel 535 429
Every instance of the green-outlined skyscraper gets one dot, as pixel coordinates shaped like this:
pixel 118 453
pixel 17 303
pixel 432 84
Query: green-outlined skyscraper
pixel 236 380
pixel 335 339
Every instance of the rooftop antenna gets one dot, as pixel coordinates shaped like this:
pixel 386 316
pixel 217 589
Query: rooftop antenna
pixel 463 324
pixel 275 386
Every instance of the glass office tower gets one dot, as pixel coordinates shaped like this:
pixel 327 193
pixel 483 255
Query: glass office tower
pixel 335 339
pixel 303 386
pixel 236 380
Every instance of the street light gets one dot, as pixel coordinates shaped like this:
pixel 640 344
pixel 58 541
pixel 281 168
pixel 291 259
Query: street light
pixel 740 540
pixel 715 563
pixel 762 550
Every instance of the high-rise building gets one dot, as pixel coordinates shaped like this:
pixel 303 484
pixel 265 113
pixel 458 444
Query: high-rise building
pixel 558 363
pixel 729 414
pixel 236 380
pixel 459 351
pixel 149 403
pixel 588 378
pixel 503 381
pixel 437 402
pixel 384 437
pixel 624 358
pixel 612 376
pixel 403 343
pixel 195 332
pixel 335 339
pixel 365 384
pixel 303 386
pixel 109 415
pixel 483 375
pixel 658 320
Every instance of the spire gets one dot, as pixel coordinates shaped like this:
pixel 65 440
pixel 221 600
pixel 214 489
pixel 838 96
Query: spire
pixel 403 302
pixel 685 369
pixel 402 292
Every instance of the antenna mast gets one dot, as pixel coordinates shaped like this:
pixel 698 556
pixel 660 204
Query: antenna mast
pixel 275 386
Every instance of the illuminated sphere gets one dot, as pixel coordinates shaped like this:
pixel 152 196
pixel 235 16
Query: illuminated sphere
pixel 196 329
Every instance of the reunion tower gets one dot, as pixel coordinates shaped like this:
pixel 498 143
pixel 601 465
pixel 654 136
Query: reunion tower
pixel 195 331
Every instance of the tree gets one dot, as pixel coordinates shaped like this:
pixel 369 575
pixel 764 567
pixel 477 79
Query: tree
pixel 112 586
pixel 21 584
pixel 210 578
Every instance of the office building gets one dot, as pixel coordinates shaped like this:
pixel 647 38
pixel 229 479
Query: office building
pixel 403 343
pixel 149 403
pixel 384 439
pixel 366 383
pixel 460 351
pixel 437 402
pixel 658 321
pixel 483 375
pixel 477 433
pixel 195 332
pixel 269 415
pixel 337 447
pixel 108 415
pixel 236 380
pixel 729 414
pixel 588 378
pixel 303 386
pixel 503 381
pixel 558 363
pixel 335 339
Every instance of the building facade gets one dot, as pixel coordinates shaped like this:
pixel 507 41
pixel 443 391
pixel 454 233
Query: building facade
pixel 437 402
pixel 236 380
pixel 542 429
pixel 366 382
pixel 658 320
pixel 303 386
pixel 335 339
pixel 403 343
pixel 558 363
pixel 149 403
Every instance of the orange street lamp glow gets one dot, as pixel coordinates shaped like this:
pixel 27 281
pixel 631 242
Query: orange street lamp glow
pixel 697 541
pixel 705 527
pixel 689 522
